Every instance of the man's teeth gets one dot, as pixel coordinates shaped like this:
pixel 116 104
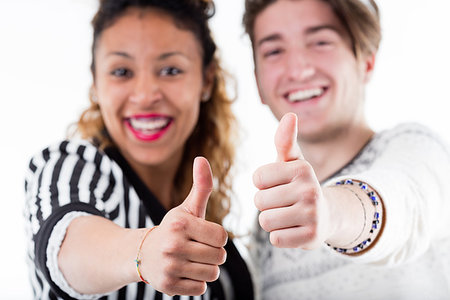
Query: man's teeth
pixel 305 95
pixel 149 124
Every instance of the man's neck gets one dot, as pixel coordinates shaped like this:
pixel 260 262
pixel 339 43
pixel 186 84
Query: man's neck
pixel 329 155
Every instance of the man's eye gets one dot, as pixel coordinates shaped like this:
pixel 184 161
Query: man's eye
pixel 121 72
pixel 170 71
pixel 323 43
pixel 272 52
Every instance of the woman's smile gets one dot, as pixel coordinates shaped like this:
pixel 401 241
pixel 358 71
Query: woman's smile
pixel 148 127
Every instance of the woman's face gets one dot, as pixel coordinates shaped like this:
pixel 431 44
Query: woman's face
pixel 149 81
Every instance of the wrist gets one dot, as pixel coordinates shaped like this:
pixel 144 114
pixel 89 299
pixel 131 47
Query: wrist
pixel 372 212
pixel 138 259
pixel 133 238
pixel 347 217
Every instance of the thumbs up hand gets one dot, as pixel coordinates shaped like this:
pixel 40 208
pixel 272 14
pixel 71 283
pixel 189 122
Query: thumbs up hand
pixel 185 251
pixel 293 208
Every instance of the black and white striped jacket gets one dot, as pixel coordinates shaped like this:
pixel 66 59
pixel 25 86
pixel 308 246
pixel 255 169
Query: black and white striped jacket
pixel 73 178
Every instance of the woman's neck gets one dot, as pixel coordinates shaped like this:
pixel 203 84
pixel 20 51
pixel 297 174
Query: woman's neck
pixel 160 179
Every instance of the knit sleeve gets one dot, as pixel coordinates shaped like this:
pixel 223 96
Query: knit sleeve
pixel 410 173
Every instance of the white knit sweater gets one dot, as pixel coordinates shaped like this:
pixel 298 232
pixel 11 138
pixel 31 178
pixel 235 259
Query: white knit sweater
pixel 409 166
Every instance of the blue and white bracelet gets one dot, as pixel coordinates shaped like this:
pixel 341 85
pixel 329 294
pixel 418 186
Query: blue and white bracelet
pixel 376 222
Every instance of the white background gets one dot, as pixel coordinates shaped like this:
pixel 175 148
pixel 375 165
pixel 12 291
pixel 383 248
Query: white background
pixel 44 81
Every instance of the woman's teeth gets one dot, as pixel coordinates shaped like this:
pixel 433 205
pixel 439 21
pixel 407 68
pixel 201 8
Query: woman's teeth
pixel 303 95
pixel 149 124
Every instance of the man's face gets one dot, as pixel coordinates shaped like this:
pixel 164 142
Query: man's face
pixel 305 64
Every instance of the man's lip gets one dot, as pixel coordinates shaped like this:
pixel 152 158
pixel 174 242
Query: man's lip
pixel 286 95
pixel 304 88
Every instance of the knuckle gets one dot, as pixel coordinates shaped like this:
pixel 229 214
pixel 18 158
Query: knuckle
pixel 311 195
pixel 275 239
pixel 167 285
pixel 215 274
pixel 222 236
pixel 179 225
pixel 311 214
pixel 302 168
pixel 257 179
pixel 199 289
pixel 258 200
pixel 170 270
pixel 172 246
pixel 264 221
pixel 297 168
pixel 222 256
pixel 311 234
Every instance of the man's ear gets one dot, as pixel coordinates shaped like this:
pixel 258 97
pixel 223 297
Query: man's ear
pixel 369 65
pixel 258 86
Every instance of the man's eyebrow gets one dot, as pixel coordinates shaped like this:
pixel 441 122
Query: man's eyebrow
pixel 269 38
pixel 310 30
pixel 315 29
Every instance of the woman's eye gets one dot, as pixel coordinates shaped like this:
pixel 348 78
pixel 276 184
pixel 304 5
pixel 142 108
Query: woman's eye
pixel 170 71
pixel 121 72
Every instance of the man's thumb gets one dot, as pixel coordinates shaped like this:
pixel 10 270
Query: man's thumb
pixel 286 139
pixel 202 187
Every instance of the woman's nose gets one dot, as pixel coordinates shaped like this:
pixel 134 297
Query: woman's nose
pixel 146 90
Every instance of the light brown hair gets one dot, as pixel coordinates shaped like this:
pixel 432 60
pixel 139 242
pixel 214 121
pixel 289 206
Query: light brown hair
pixel 361 19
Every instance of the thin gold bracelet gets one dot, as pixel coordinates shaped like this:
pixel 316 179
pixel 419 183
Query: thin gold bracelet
pixel 138 257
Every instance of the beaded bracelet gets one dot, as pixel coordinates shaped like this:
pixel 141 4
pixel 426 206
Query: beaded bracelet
pixel 138 257
pixel 376 222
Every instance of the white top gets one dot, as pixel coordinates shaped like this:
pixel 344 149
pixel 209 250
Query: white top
pixel 409 166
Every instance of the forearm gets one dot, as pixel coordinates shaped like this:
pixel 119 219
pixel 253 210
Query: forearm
pixel 97 255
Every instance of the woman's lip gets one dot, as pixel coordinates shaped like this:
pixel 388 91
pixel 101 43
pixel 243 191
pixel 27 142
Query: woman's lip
pixel 145 136
pixel 145 116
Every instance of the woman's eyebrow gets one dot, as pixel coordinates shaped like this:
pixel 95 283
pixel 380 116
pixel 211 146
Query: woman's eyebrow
pixel 120 53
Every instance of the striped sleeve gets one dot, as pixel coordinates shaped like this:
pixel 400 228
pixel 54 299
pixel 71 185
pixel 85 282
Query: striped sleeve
pixel 67 177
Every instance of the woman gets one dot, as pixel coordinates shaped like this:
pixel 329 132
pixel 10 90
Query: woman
pixel 158 101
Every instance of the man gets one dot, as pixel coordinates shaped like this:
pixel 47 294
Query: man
pixel 363 214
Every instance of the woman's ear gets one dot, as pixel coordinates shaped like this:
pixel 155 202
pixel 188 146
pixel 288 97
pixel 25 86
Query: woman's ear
pixel 208 83
pixel 93 94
